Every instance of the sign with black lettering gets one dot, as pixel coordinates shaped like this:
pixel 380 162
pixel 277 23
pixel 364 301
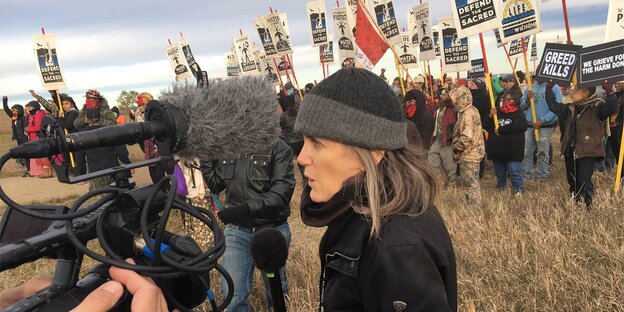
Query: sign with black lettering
pixel 515 47
pixel 421 31
pixel 615 21
pixel 326 52
pixel 190 59
pixel 558 63
pixel 478 69
pixel 384 15
pixel 277 25
pixel 47 62
pixel 231 64
pixel 519 18
pixel 408 52
pixel 345 40
pixel 268 69
pixel 474 17
pixel 245 56
pixel 601 62
pixel 177 61
pixel 318 22
pixel 455 50
pixel 265 38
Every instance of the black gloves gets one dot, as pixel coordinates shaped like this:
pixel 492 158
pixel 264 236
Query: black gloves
pixel 232 214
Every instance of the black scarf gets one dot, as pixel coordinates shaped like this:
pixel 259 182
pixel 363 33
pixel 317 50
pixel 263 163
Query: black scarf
pixel 322 214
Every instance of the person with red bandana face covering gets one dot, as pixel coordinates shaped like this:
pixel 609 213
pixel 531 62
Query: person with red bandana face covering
pixel 96 106
pixel 505 146
pixel 415 107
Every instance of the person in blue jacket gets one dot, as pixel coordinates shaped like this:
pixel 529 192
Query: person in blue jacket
pixel 545 123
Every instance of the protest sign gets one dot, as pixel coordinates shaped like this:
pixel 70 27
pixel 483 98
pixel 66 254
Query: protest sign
pixel 515 47
pixel 327 54
pixel 345 40
pixel 231 65
pixel 615 21
pixel 558 63
pixel 190 60
pixel 352 11
pixel 423 31
pixel 499 43
pixel 283 66
pixel 385 18
pixel 278 30
pixel 436 41
pixel 178 63
pixel 474 17
pixel 267 67
pixel 265 38
pixel 520 18
pixel 318 23
pixel 478 69
pixel 455 50
pixel 601 62
pixel 244 55
pixel 48 65
pixel 534 56
pixel 408 52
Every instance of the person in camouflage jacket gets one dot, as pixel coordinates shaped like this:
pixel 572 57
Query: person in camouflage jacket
pixel 468 146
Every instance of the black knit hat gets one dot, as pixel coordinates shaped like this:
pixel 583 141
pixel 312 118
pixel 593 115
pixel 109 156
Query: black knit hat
pixel 355 107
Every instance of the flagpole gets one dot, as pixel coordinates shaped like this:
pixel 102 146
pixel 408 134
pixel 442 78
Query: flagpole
pixel 530 87
pixel 321 52
pixel 390 45
pixel 58 102
pixel 513 67
pixel 488 80
pixel 565 19
pixel 279 75
pixel 430 80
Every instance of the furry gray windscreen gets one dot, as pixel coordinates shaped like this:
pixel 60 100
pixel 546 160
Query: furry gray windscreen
pixel 228 118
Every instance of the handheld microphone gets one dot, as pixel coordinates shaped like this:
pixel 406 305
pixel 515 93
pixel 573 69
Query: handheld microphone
pixel 231 117
pixel 269 251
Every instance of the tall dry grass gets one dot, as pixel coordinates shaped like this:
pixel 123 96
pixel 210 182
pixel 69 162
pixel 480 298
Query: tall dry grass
pixel 537 252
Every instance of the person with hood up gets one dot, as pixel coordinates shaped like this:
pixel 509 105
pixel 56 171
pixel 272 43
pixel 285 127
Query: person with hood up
pixel 480 100
pixel 441 152
pixel 505 146
pixel 19 126
pixel 582 116
pixel 416 108
pixel 40 167
pixel 468 148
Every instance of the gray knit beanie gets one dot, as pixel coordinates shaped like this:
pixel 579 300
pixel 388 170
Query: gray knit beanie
pixel 355 107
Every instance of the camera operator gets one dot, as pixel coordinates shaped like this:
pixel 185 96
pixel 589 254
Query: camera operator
pixel 146 295
pixel 259 188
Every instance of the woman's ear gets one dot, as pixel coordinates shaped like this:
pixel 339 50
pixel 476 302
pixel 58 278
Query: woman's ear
pixel 378 155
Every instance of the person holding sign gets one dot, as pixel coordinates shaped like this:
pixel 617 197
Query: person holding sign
pixel 545 123
pixel 582 134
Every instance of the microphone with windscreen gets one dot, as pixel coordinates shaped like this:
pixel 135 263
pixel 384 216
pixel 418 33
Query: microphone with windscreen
pixel 269 251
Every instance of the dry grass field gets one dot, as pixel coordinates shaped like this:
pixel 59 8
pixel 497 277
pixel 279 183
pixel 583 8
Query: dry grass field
pixel 537 252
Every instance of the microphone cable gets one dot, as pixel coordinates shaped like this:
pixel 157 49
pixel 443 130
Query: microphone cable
pixel 165 262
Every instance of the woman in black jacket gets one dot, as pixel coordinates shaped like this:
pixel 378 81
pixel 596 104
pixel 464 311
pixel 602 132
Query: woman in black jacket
pixel 386 247
pixel 505 145
pixel 19 125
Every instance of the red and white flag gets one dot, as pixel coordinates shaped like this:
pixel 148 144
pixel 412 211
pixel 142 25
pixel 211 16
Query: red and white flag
pixel 371 46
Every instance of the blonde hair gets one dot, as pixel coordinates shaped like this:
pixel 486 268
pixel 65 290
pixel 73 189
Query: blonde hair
pixel 146 97
pixel 402 183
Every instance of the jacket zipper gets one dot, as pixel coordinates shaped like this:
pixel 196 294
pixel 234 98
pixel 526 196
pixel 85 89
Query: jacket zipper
pixel 327 256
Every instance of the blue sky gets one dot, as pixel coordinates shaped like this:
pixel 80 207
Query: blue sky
pixel 115 45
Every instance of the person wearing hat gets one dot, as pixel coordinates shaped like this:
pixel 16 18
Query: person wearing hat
pixel 51 107
pixel 386 246
pixel 40 167
pixel 582 134
pixel 416 109
pixel 96 106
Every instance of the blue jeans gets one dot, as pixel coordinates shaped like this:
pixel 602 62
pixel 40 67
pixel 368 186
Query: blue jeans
pixel 513 169
pixel 541 148
pixel 238 263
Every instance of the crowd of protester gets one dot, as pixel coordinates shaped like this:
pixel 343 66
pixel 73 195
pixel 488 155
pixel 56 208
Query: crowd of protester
pixel 373 186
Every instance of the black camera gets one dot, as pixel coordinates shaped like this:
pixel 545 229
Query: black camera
pixel 129 222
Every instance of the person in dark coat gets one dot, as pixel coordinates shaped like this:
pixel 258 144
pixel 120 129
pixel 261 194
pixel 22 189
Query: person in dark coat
pixel 289 135
pixel 505 145
pixel 386 247
pixel 480 100
pixel 416 107
pixel 582 134
pixel 19 126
